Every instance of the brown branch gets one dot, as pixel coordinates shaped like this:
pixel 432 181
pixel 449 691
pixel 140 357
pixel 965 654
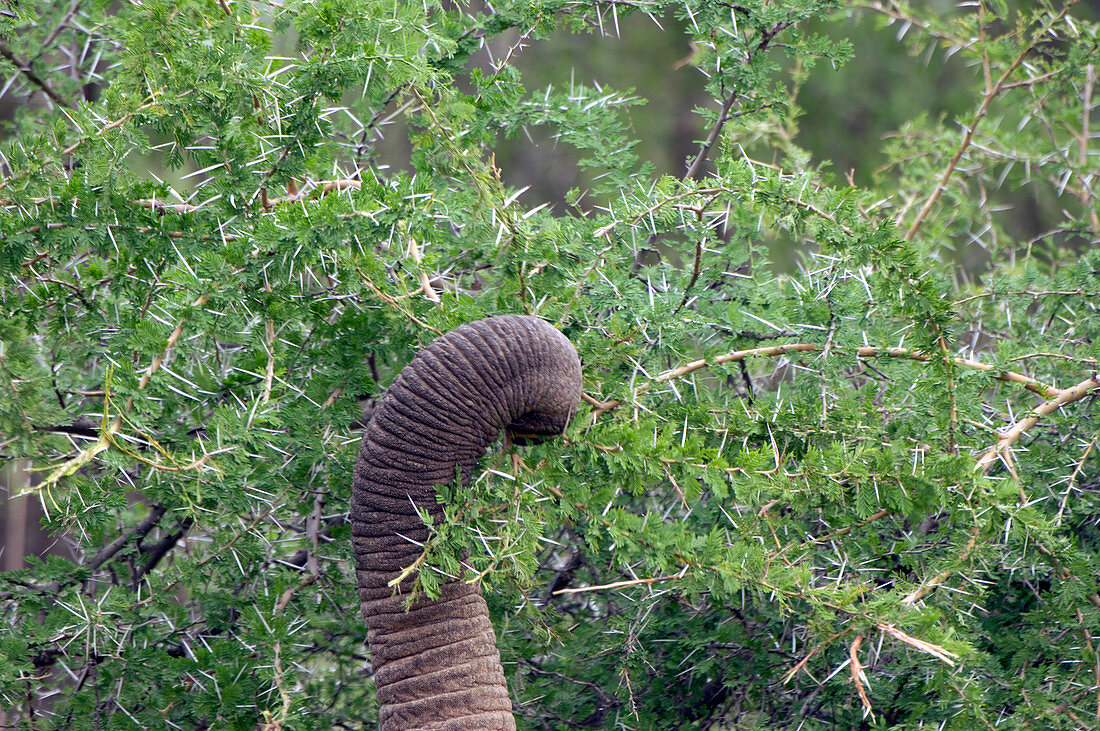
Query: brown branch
pixel 1057 398
pixel 983 110
pixel 844 531
pixel 397 305
pixel 712 137
pixel 1031 384
pixel 858 677
pixel 46 44
pixel 801 664
pixel 693 170
pixel 160 549
pixel 1060 356
pixel 621 584
pixel 158 360
pixel 725 114
pixel 261 191
pixel 26 69
pixel 923 590
pixel 696 268
pixel 940 653
pixel 139 532
pixel 1095 658
pixel 313 532
pixel 1008 438
pixel 997 452
pixel 591 401
pixel 863 352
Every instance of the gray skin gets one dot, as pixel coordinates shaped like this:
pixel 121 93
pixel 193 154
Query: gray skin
pixel 436 665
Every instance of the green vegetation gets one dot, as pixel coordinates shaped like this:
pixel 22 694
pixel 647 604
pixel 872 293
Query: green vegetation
pixel 837 465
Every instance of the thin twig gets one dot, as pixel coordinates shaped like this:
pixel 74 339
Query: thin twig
pixel 397 305
pixel 76 145
pixel 27 70
pixel 313 569
pixel 983 109
pixel 621 584
pixel 858 677
pixel 1072 480
pixel 1083 148
pixel 923 590
pixel 159 360
pixel 425 283
pixel 695 270
pixel 269 331
pixel 844 531
pixel 1095 658
pixel 48 43
pixel 801 664
pixel 998 452
pixel 1028 382
pixel 766 37
pixel 712 137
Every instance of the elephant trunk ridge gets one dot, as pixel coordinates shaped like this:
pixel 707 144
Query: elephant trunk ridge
pixel 436 665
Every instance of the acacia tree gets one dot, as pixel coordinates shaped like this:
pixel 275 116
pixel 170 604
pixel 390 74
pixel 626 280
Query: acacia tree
pixel 861 493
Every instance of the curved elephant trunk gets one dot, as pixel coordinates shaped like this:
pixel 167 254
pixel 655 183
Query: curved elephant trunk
pixel 436 665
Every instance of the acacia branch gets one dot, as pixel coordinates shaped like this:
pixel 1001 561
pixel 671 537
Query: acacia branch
pixel 76 145
pixel 160 359
pixel 623 584
pixel 987 100
pixel 27 70
pixel 1010 437
pixel 766 37
pixel 926 587
pixel 139 532
pixel 725 114
pixel 160 549
pixel 713 191
pixel 1056 399
pixel 48 43
pixel 712 137
pixel 858 678
pixel 998 452
pixel 1031 384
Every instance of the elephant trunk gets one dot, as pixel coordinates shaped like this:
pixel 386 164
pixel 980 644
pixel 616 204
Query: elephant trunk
pixel 436 664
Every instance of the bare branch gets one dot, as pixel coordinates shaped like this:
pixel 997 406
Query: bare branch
pixel 27 70
pixel 983 109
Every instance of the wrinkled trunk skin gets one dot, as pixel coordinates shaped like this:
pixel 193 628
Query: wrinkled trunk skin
pixel 437 666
